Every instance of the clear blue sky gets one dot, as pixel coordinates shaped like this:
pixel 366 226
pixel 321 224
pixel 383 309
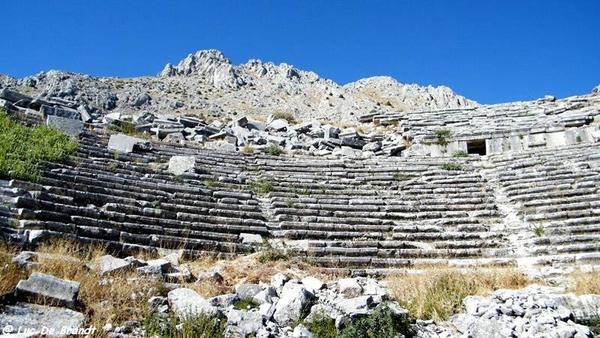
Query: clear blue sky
pixel 489 51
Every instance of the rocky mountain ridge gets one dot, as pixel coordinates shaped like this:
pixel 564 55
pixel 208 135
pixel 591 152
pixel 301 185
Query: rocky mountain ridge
pixel 208 84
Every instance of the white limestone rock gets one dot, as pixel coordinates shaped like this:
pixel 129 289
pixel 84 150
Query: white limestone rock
pixel 179 165
pixel 186 302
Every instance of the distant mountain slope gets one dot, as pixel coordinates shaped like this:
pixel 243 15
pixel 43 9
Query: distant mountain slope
pixel 208 83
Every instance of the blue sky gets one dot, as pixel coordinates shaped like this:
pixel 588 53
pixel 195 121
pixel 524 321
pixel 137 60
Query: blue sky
pixel 489 51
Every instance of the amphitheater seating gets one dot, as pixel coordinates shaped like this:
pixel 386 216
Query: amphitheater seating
pixel 364 215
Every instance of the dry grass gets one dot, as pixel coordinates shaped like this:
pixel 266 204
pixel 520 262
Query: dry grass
pixel 10 273
pixel 438 293
pixel 585 283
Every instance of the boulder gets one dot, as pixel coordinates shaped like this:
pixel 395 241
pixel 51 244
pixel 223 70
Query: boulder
pixel 244 323
pixel 40 287
pixel 289 308
pixel 349 287
pixel 186 302
pixel 247 290
pixel 312 284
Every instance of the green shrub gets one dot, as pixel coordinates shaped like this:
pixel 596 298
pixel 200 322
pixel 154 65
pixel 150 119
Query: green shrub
pixel 210 183
pixel 451 166
pixel 273 150
pixel 382 323
pixel 442 135
pixel 460 153
pixel 322 327
pixel 399 177
pixel 260 186
pixel 245 304
pixel 23 149
pixel 579 139
pixel 203 326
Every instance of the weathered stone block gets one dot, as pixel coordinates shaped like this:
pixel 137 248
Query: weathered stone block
pixel 45 288
pixel 68 126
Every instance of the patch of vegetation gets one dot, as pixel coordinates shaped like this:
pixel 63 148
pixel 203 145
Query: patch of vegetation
pixel 442 136
pixel 400 177
pixel 322 327
pixel 286 116
pixel 112 166
pixel 539 230
pixel 23 149
pixel 129 129
pixel 156 204
pixel 211 183
pixel 578 139
pixel 203 326
pixel 177 178
pixel 271 254
pixel 289 203
pixel 460 153
pixel 246 304
pixel 300 191
pixel 273 150
pixel 260 186
pixel 383 323
pixel 451 166
pixel 248 150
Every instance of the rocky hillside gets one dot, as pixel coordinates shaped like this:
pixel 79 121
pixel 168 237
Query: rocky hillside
pixel 207 83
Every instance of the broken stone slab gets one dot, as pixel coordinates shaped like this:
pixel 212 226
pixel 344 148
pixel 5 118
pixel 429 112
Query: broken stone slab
pixel 251 238
pixel 190 122
pixel 220 146
pixel 163 265
pixel 278 125
pixel 25 258
pixel 126 144
pixel 51 320
pixel 68 126
pixel 353 142
pixel 108 264
pixel 182 164
pixel 40 287
pixel 187 303
pixel 289 308
pixel 13 96
pixel 256 125
pixel 84 111
pixel 373 146
pixel 179 274
pixel 60 111
pixel 241 122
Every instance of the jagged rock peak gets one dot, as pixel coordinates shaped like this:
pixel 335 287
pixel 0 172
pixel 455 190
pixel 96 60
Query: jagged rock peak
pixel 210 65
